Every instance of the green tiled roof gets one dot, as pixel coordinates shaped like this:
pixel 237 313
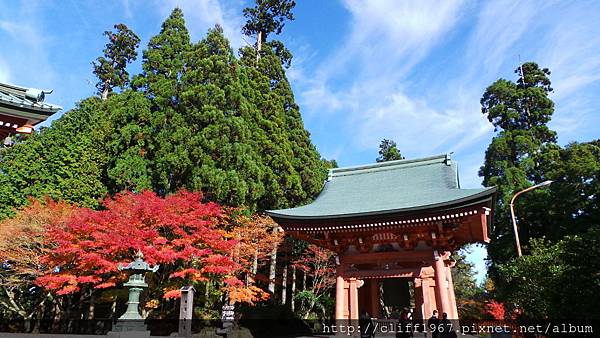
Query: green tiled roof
pixel 388 187
pixel 19 98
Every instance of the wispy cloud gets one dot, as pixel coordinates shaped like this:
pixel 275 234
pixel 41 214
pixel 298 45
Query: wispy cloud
pixel 366 78
pixel 26 47
pixel 396 35
pixel 381 81
pixel 499 26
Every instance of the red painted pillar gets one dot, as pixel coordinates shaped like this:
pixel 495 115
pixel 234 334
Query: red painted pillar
pixel 374 297
pixel 424 297
pixel 441 284
pixel 341 299
pixel 453 314
pixel 419 299
pixel 353 295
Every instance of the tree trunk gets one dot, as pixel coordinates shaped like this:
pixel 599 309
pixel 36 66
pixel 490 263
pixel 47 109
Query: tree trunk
pixel 91 307
pixel 27 325
pixel 113 310
pixel 273 267
pixel 38 319
pixel 57 316
pixel 303 280
pixel 303 288
pixel 258 45
pixel 254 264
pixel 292 302
pixel 309 309
pixel 284 285
pixel 104 94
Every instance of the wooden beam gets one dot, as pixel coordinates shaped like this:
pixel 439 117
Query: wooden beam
pixel 382 257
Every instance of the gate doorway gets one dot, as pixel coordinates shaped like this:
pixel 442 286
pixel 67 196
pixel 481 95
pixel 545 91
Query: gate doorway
pixel 384 298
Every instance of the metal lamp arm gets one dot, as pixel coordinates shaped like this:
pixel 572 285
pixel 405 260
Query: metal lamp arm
pixel 512 201
pixel 512 212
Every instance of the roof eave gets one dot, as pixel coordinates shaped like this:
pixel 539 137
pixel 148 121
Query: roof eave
pixel 482 196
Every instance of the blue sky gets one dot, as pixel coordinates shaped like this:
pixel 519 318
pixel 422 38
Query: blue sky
pixel 412 71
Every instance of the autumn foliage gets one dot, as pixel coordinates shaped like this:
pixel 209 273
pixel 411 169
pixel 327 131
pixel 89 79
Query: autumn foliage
pixel 179 232
pixel 256 235
pixel 496 310
pixel 22 247
pixel 22 238
pixel 317 263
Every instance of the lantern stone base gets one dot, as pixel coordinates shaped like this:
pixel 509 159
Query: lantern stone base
pixel 128 334
pixel 129 329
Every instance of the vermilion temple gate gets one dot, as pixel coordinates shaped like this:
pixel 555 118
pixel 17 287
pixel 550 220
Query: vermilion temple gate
pixel 393 219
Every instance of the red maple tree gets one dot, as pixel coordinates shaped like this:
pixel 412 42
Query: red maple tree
pixel 495 309
pixel 317 263
pixel 179 232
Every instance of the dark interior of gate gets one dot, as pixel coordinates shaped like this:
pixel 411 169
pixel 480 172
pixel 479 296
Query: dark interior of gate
pixel 393 226
pixel 386 298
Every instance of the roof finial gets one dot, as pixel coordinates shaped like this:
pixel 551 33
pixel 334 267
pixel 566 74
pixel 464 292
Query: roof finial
pixel 449 158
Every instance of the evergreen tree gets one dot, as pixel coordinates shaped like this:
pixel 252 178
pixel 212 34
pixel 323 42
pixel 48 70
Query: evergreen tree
pixel 266 17
pixel 64 162
pixel 163 65
pixel 554 223
pixel 520 112
pixel 224 164
pixel 388 151
pixel 129 142
pixel 118 52
pixel 295 172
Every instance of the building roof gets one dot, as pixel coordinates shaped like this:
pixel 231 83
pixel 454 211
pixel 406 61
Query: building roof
pixel 388 187
pixel 26 98
pixel 20 106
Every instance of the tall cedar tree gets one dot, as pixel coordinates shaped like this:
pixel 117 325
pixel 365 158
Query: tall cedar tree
pixel 555 223
pixel 295 172
pixel 520 112
pixel 266 17
pixel 224 164
pixel 118 52
pixel 388 151
pixel 164 63
pixel 128 141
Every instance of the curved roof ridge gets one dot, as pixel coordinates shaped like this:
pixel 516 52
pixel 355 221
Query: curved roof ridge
pixel 387 165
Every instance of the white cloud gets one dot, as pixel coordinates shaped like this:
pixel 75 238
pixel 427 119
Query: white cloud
pixel 571 50
pixel 416 127
pixel 127 9
pixel 500 25
pixel 395 34
pixel 26 47
pixel 365 79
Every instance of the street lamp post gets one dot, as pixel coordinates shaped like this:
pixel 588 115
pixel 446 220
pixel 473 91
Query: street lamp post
pixel 512 212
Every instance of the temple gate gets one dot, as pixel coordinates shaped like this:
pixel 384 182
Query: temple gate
pixel 396 219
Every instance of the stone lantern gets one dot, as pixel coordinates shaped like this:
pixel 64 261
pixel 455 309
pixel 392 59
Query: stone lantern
pixel 131 321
